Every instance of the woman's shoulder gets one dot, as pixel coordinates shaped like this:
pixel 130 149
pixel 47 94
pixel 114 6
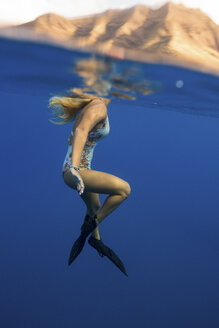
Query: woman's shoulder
pixel 96 109
pixel 95 106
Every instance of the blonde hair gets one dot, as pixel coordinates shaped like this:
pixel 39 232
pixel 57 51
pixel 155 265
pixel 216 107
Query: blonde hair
pixel 67 107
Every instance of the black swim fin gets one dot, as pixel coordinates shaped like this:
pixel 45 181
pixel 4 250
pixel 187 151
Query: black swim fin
pixel 77 248
pixel 90 223
pixel 104 250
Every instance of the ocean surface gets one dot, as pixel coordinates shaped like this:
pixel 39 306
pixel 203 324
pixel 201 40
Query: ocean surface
pixel 165 144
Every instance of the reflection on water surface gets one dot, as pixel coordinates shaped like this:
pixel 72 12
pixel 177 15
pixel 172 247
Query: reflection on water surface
pixel 107 77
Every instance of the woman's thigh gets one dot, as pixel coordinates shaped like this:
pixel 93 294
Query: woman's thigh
pixel 99 182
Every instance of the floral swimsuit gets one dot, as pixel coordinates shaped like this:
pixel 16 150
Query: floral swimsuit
pixel 87 153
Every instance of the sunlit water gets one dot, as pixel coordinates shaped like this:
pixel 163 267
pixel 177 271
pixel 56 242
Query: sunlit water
pixel 165 144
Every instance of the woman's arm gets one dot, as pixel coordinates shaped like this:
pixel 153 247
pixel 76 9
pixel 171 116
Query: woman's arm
pixel 92 116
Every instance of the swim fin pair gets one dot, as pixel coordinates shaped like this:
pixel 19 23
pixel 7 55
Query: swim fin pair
pixel 90 223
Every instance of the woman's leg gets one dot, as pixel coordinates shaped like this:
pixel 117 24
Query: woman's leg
pixel 92 202
pixel 102 183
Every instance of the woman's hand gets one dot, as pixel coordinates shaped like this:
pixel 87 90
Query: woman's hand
pixel 77 177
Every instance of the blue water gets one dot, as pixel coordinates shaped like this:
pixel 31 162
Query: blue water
pixel 165 145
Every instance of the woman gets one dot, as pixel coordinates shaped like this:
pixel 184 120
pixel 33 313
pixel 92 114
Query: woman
pixel 91 124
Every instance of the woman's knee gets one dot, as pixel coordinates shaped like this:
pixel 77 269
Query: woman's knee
pixel 126 190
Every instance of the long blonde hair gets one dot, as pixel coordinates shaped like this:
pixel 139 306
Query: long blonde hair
pixel 67 107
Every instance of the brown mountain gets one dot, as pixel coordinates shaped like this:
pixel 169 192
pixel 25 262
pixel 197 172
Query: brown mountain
pixel 172 34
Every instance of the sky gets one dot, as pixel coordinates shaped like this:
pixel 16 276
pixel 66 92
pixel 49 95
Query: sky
pixel 21 11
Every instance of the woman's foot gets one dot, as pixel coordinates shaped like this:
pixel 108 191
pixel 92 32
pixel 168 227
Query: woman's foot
pixel 104 250
pixel 90 223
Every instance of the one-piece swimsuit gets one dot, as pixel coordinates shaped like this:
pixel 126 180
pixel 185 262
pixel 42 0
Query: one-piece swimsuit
pixel 87 154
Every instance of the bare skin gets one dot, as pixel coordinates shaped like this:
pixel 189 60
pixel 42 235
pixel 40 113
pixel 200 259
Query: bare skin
pixel 92 183
pixel 96 183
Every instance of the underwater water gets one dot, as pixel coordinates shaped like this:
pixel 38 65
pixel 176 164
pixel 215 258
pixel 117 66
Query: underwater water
pixel 165 144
